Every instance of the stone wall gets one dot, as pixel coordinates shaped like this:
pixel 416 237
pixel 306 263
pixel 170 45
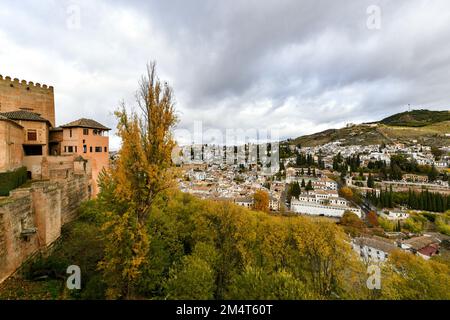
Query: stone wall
pixel 55 167
pixel 11 141
pixel 17 215
pixel 22 95
pixel 31 218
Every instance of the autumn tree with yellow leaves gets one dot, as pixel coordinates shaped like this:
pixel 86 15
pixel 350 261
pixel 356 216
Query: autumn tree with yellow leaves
pixel 261 201
pixel 142 172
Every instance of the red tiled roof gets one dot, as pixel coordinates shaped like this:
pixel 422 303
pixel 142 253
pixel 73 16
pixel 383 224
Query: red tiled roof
pixel 430 250
pixel 85 123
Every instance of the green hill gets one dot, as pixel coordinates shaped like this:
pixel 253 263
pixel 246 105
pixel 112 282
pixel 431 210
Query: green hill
pixel 417 118
pixel 424 126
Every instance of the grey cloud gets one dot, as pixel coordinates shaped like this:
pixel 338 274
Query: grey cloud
pixel 299 66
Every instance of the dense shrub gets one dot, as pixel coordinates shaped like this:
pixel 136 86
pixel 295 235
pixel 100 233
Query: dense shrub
pixel 11 180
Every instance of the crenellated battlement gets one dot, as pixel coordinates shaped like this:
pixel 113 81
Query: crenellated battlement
pixel 18 95
pixel 16 83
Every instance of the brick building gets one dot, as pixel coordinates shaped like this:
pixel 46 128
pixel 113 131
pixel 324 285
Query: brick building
pixel 28 135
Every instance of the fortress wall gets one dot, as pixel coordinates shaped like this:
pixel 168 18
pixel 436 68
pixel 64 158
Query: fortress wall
pixel 16 95
pixel 73 193
pixel 31 218
pixel 17 214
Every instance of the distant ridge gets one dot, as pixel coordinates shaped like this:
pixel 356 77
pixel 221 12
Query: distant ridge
pixel 422 126
pixel 417 118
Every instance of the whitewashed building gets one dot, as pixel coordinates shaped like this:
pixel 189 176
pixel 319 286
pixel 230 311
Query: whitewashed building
pixel 274 204
pixel 395 215
pixel 244 202
pixel 375 250
pixel 321 204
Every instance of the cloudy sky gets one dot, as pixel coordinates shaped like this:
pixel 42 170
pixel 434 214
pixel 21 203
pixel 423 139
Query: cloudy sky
pixel 291 65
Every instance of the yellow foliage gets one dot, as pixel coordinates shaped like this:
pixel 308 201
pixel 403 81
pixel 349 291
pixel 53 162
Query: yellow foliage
pixel 142 172
pixel 261 201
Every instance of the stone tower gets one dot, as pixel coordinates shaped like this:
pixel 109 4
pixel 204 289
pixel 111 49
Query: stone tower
pixel 22 95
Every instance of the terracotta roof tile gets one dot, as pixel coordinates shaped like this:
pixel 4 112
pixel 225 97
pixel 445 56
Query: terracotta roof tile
pixel 85 123
pixel 386 246
pixel 23 115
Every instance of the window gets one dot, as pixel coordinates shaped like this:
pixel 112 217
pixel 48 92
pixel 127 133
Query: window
pixel 106 149
pixel 32 135
pixel 70 149
pixel 70 133
pixel 98 149
pixel 76 149
pixel 32 150
pixel 90 149
pixel 85 149
pixel 85 132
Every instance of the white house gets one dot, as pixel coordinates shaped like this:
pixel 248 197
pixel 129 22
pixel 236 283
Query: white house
pixel 324 184
pixel 395 215
pixel 244 202
pixel 375 250
pixel 274 204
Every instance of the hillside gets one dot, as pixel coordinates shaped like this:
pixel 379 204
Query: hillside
pixel 434 125
pixel 416 118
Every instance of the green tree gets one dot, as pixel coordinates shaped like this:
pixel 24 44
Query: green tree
pixel 433 174
pixel 370 181
pixel 295 189
pixel 258 284
pixel 191 279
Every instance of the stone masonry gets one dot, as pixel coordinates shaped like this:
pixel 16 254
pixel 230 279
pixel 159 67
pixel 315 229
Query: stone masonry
pixel 31 218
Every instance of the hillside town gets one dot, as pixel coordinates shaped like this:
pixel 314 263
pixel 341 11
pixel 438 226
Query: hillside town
pixel 313 181
pixel 213 159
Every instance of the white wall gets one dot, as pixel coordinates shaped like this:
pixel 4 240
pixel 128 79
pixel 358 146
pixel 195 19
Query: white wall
pixel 318 209
pixel 370 254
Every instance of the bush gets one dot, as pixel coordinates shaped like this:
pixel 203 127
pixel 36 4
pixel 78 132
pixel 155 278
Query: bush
pixel 443 225
pixel 192 279
pixel 11 180
pixel 258 284
pixel 430 216
pixel 413 225
pixel 386 224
